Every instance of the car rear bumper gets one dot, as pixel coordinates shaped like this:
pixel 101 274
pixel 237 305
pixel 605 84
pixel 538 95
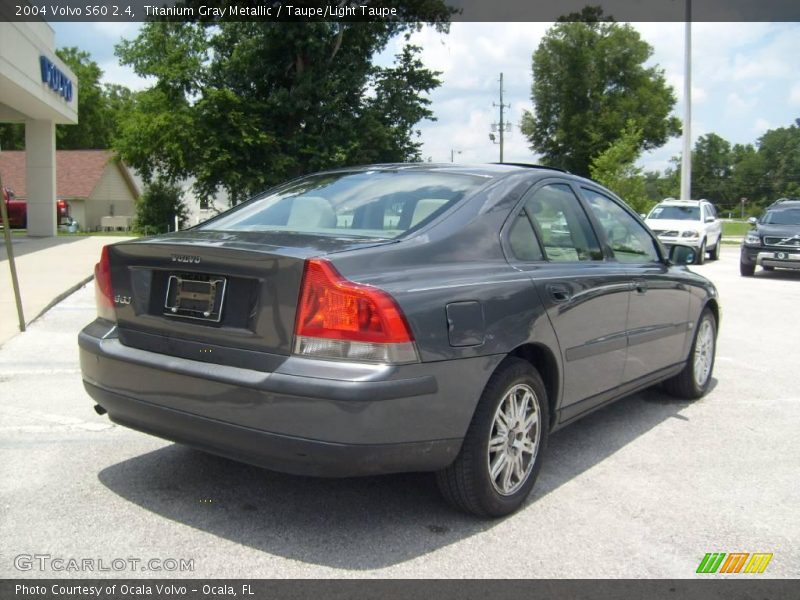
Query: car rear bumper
pixel 306 417
pixel 287 454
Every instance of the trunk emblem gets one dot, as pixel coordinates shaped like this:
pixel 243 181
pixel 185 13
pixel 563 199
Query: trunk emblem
pixel 122 299
pixel 185 258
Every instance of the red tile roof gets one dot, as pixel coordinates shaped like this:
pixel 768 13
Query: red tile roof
pixel 77 171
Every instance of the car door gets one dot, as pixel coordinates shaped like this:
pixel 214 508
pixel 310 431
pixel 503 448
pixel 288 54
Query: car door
pixel 585 295
pixel 658 309
pixel 711 224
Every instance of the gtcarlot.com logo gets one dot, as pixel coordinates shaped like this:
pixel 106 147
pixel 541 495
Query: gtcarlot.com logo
pixel 734 562
pixel 48 562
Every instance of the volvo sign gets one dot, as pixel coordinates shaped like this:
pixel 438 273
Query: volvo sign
pixel 55 78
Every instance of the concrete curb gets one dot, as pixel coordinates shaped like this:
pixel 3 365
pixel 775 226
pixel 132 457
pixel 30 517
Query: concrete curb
pixel 61 296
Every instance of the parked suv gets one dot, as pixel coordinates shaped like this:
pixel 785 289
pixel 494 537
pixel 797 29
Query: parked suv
pixel 774 241
pixel 688 222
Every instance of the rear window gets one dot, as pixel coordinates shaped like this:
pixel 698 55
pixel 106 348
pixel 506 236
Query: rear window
pixel 375 204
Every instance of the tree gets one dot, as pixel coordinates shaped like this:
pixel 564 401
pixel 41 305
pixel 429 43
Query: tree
pixel 245 105
pixel 780 152
pixel 712 168
pixel 616 168
pixel 99 107
pixel 158 206
pixel 589 79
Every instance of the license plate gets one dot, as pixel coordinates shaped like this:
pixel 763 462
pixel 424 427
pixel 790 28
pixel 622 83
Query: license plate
pixel 195 297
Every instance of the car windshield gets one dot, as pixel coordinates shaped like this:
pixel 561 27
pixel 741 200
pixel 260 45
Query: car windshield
pixel 677 213
pixel 373 204
pixel 789 216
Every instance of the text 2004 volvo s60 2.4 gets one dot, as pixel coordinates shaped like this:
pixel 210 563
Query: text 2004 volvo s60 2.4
pixel 397 318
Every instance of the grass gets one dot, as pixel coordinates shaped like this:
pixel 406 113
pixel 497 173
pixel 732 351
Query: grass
pixel 735 228
pixel 95 233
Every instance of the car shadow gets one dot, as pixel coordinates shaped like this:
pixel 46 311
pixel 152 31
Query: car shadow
pixel 785 274
pixel 359 523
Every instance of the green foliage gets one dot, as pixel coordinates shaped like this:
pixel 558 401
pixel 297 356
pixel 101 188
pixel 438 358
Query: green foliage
pixel 761 173
pixel 615 167
pixel 99 107
pixel 589 80
pixel 158 206
pixel 245 105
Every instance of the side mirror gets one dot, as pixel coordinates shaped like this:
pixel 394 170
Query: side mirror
pixel 753 221
pixel 710 219
pixel 644 216
pixel 681 255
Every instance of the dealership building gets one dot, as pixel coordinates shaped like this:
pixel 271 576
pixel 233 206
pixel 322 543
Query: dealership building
pixel 39 90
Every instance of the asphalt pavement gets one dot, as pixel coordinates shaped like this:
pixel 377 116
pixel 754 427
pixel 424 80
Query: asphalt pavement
pixel 643 488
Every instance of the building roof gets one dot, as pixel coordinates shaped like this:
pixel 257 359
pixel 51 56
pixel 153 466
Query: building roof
pixel 77 171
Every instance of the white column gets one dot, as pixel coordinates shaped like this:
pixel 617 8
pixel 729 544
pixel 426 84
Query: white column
pixel 40 155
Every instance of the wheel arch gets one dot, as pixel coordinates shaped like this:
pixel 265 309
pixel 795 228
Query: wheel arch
pixel 713 306
pixel 543 360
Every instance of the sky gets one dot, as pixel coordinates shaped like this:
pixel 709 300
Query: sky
pixel 745 80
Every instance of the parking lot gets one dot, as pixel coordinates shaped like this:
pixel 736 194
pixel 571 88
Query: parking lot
pixel 643 488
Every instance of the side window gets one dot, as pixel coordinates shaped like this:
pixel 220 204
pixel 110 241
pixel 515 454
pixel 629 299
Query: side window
pixel 630 241
pixel 565 231
pixel 522 239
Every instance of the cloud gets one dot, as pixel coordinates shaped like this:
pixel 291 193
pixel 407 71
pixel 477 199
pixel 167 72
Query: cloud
pixel 761 125
pixel 794 95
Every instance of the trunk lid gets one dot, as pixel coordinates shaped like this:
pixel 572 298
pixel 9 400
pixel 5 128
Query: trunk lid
pixel 219 297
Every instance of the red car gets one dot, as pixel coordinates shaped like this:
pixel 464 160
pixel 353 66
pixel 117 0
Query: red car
pixel 18 212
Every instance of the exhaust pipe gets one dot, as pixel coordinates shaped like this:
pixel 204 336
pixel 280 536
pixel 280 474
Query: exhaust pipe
pixel 99 410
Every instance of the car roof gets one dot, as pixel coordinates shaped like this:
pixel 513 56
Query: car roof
pixel 493 170
pixel 674 202
pixel 784 203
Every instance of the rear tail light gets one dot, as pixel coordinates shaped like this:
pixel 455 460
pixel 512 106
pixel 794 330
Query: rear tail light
pixel 340 319
pixel 103 292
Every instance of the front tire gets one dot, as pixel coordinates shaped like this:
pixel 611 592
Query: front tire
pixel 715 250
pixel 746 270
pixel 695 378
pixel 504 447
pixel 700 258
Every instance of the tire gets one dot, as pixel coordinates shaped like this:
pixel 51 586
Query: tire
pixel 768 268
pixel 700 257
pixel 467 483
pixel 746 270
pixel 714 254
pixel 695 378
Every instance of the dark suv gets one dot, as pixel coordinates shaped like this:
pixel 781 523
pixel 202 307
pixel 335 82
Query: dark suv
pixel 774 241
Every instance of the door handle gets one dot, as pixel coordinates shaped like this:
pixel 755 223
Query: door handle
pixel 559 292
pixel 640 286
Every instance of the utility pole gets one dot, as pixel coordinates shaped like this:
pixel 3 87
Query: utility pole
pixel 502 121
pixel 686 159
pixel 453 153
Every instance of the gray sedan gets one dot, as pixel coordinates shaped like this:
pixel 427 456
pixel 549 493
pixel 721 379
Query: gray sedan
pixel 400 317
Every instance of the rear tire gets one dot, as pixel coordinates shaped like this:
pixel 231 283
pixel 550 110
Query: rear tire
pixel 504 447
pixel 700 258
pixel 715 250
pixel 746 270
pixel 695 378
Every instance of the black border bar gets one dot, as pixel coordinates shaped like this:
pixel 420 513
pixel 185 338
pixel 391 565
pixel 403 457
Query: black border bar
pixel 712 588
pixel 359 10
